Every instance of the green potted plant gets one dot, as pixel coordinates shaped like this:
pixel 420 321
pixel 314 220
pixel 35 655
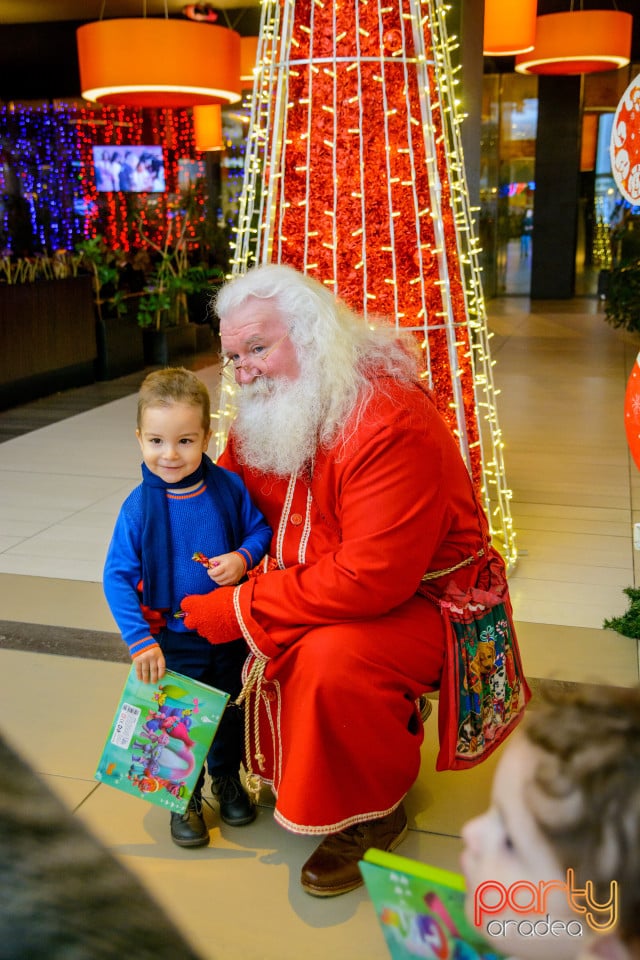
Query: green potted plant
pixel 118 337
pixel 209 255
pixel 622 306
pixel 163 307
pixel 101 261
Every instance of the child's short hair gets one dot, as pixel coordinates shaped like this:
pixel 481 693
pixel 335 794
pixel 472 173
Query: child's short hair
pixel 585 795
pixel 174 385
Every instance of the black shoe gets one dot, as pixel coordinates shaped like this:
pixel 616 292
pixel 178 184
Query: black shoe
pixel 236 808
pixel 188 829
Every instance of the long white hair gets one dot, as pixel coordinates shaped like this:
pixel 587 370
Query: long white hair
pixel 339 344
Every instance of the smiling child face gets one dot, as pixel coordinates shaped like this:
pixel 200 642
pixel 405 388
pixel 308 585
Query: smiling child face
pixel 172 440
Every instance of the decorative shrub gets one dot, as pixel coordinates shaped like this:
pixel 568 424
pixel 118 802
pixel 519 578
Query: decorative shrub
pixel 629 623
pixel 622 306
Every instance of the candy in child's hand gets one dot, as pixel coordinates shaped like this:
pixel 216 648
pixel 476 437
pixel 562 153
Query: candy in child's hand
pixel 200 557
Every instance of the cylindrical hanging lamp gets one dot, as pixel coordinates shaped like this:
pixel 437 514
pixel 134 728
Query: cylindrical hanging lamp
pixel 207 127
pixel 248 54
pixel 580 41
pixel 157 62
pixel 509 27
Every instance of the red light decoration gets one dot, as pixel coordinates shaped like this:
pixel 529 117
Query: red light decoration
pixel 320 234
pixel 355 177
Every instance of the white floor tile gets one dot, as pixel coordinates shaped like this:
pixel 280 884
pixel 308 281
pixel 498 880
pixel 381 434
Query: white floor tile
pixel 531 568
pixel 7 542
pixel 69 568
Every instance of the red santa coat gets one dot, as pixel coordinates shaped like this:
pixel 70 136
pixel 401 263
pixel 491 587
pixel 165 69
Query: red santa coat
pixel 347 642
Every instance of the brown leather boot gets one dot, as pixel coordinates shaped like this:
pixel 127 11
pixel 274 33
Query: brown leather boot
pixel 333 868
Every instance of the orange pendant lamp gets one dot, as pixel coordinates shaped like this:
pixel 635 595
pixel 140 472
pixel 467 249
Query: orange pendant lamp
pixel 248 56
pixel 158 62
pixel 579 41
pixel 207 127
pixel 509 27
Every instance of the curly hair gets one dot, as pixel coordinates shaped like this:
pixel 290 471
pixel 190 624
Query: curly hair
pixel 586 789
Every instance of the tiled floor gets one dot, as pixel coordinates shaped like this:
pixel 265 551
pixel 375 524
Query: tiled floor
pixel 562 372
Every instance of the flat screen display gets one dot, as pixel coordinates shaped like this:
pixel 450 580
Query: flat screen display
pixel 128 169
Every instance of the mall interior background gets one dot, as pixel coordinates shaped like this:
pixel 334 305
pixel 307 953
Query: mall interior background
pixel 537 144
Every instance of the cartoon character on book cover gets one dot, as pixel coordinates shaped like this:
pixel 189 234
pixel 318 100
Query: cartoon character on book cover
pixel 429 934
pixel 420 909
pixel 159 738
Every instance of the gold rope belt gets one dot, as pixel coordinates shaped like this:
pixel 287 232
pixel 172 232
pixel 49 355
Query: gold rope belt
pixel 255 678
pixel 434 574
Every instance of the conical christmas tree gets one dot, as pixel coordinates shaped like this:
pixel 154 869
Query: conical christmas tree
pixel 354 174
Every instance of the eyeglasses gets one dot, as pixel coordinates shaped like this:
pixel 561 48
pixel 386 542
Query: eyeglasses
pixel 256 361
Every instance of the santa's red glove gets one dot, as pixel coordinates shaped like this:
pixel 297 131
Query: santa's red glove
pixel 265 565
pixel 212 615
pixel 155 618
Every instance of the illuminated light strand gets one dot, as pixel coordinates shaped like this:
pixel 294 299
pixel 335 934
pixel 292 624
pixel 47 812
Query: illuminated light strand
pixel 482 364
pixel 377 79
pixel 62 134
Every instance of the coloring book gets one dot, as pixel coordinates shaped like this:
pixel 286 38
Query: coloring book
pixel 160 737
pixel 420 909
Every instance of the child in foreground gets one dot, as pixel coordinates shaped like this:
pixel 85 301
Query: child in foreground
pixel 565 809
pixel 188 528
pixel 64 894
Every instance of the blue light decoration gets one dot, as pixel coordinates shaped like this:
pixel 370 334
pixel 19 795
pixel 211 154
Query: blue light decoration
pixel 48 195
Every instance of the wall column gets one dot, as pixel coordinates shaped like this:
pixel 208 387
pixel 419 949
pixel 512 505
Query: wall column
pixel 557 193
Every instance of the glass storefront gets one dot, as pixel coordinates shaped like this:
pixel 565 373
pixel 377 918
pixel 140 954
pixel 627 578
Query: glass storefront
pixel 507 182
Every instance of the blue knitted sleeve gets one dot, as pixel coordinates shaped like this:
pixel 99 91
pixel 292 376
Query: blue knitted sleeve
pixel 122 573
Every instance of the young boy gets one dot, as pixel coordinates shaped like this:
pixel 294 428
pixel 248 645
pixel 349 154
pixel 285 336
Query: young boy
pixel 189 523
pixel 565 813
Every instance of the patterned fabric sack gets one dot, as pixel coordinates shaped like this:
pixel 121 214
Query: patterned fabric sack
pixel 484 690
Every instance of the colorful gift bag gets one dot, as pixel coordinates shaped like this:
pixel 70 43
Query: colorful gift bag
pixel 484 690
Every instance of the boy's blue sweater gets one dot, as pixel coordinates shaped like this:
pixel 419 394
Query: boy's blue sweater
pixel 195 528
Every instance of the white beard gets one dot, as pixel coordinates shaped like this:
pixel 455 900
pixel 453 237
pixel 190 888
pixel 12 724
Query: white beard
pixel 278 422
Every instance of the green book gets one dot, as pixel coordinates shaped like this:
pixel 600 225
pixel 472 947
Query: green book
pixel 160 737
pixel 420 909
